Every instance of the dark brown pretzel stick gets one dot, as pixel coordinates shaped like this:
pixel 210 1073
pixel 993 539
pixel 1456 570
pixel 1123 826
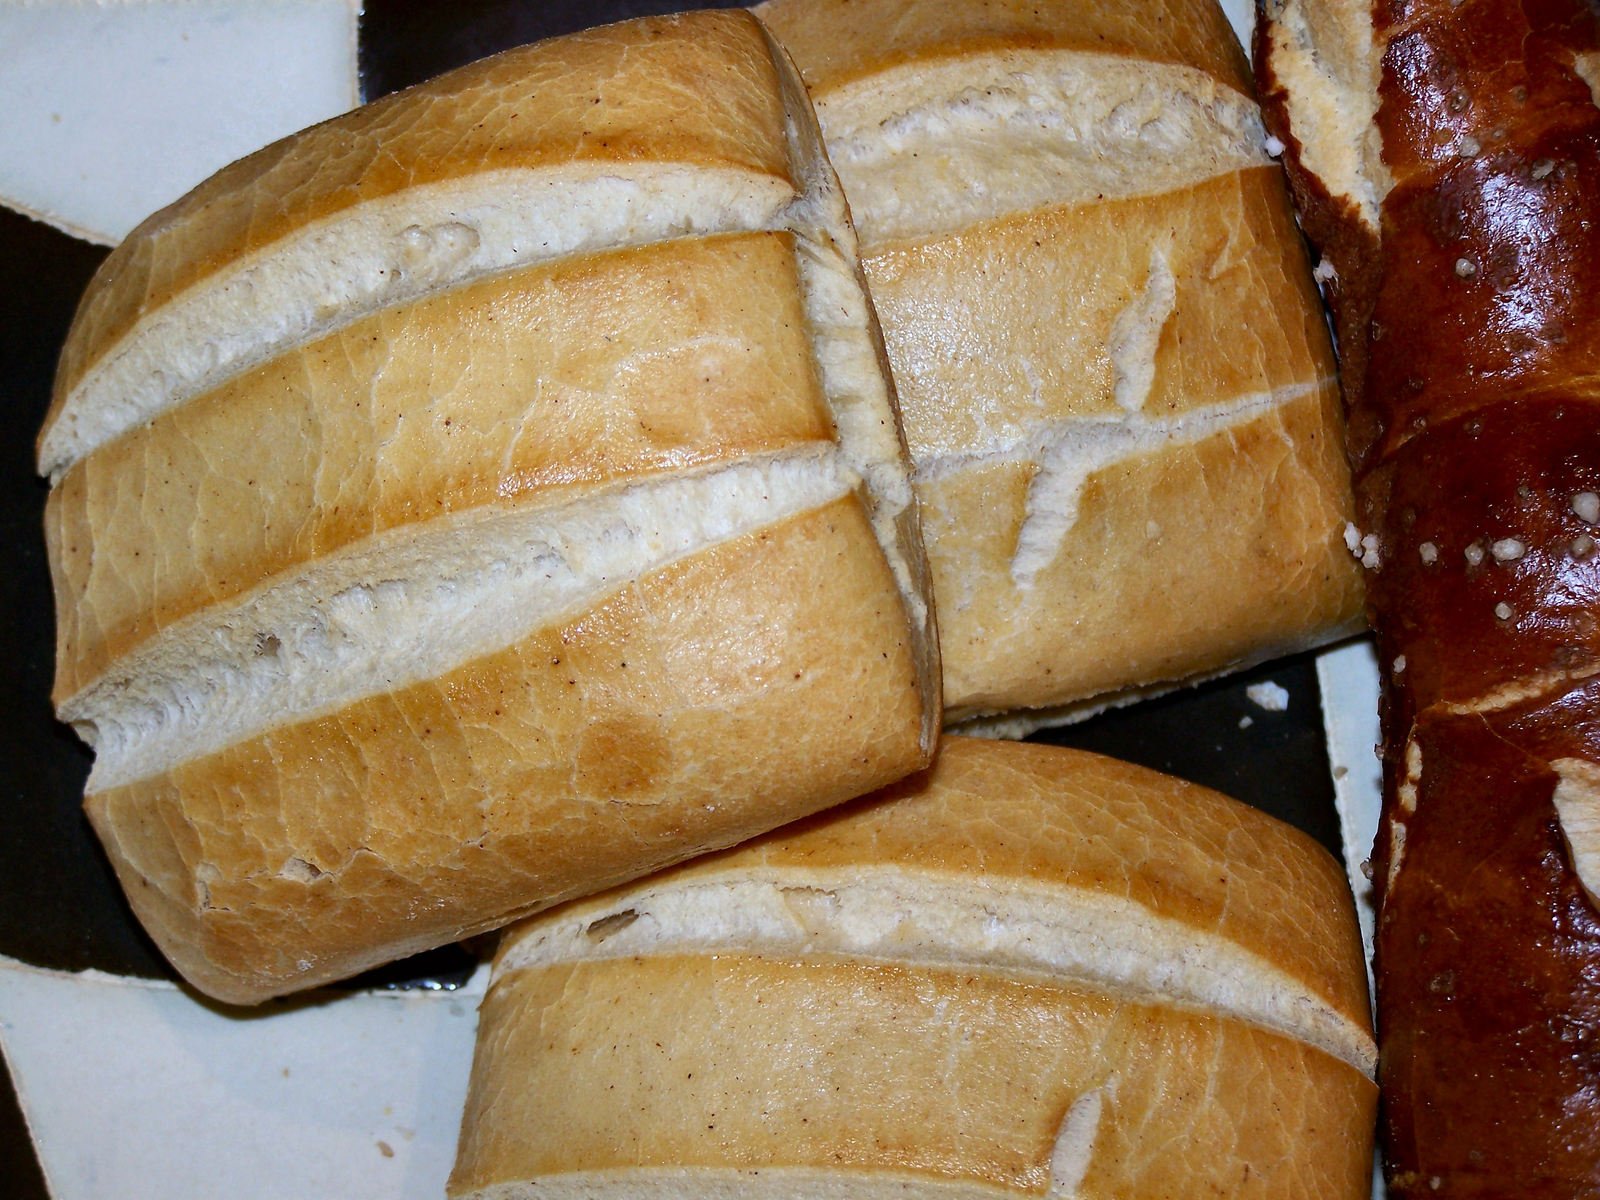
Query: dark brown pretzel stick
pixel 1463 254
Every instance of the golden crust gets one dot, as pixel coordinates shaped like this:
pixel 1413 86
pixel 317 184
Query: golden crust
pixel 1045 815
pixel 1173 566
pixel 641 730
pixel 575 374
pixel 440 603
pixel 615 94
pixel 1009 323
pixel 1180 589
pixel 864 1068
pixel 880 34
pixel 1075 375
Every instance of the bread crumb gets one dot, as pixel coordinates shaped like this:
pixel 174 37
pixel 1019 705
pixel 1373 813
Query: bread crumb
pixel 1587 507
pixel 1324 271
pixel 1429 553
pixel 1268 696
pixel 1466 268
pixel 1273 146
pixel 1507 550
pixel 1352 538
pixel 1474 554
pixel 1246 721
pixel 1503 611
pixel 385 1149
pixel 1400 664
pixel 1468 146
pixel 1543 168
pixel 1582 546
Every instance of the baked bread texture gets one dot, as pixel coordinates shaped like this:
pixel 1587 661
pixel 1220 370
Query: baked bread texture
pixel 1447 159
pixel 1028 971
pixel 1111 361
pixel 481 499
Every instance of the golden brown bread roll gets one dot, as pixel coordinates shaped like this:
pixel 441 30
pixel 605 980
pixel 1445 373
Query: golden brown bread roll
pixel 1113 368
pixel 1029 971
pixel 478 500
pixel 1447 160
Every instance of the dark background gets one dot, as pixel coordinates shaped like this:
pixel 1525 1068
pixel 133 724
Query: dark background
pixel 59 904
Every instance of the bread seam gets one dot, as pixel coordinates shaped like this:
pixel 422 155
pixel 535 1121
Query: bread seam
pixel 386 252
pixel 1076 110
pixel 1062 935
pixel 1577 803
pixel 853 365
pixel 413 602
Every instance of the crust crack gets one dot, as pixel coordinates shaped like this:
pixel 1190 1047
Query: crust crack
pixel 382 253
pixel 410 604
pixel 1069 452
pixel 1068 937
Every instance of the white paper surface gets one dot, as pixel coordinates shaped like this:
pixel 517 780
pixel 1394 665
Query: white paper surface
pixel 134 1088
pixel 1348 679
pixel 115 109
pixel 1241 15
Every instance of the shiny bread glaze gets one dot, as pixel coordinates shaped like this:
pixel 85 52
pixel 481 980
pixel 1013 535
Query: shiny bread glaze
pixel 1469 330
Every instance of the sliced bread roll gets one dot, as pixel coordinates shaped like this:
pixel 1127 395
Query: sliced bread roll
pixel 1029 971
pixel 481 499
pixel 1112 363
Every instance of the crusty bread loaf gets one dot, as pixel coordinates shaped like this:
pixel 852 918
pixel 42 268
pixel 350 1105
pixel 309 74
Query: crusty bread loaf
pixel 1447 161
pixel 1029 971
pixel 1115 378
pixel 479 500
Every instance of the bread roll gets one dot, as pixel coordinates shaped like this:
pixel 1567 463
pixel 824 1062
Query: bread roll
pixel 1030 971
pixel 1447 158
pixel 1112 364
pixel 479 500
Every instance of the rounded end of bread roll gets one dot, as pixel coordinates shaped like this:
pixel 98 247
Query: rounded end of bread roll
pixel 1026 971
pixel 479 500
